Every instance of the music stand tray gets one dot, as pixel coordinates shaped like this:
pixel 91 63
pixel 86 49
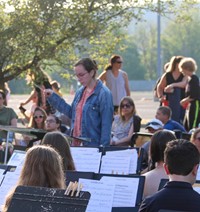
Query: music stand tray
pixel 40 199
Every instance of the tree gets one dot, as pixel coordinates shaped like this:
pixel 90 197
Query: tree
pixel 182 37
pixel 132 59
pixel 34 32
pixel 145 39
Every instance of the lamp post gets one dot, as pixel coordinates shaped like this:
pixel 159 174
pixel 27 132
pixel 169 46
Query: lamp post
pixel 159 69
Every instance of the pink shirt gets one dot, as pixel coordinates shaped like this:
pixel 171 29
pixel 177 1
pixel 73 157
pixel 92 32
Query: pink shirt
pixel 78 117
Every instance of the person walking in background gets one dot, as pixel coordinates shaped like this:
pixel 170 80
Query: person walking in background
pixel 125 123
pixel 91 111
pixel 188 67
pixel 171 88
pixel 43 168
pixel 181 162
pixel 116 80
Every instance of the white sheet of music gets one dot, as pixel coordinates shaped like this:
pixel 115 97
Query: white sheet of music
pixel 119 162
pixel 134 159
pixel 9 182
pixel 198 174
pixel 197 189
pixel 102 194
pixel 1 174
pixel 126 189
pixel 86 159
pixel 17 158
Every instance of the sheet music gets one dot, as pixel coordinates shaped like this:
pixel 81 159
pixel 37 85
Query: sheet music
pixel 86 159
pixel 126 189
pixel 101 195
pixel 1 175
pixel 119 162
pixel 17 158
pixel 9 182
pixel 198 174
pixel 196 187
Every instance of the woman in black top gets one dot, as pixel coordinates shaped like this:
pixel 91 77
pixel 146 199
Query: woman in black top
pixel 171 88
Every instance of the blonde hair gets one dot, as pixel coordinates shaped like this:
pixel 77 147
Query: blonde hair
pixel 33 123
pixel 131 102
pixel 189 64
pixel 42 167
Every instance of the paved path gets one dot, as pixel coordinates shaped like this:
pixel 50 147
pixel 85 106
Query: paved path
pixel 145 105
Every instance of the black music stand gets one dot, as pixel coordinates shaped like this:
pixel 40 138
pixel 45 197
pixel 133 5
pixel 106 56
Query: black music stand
pixel 39 199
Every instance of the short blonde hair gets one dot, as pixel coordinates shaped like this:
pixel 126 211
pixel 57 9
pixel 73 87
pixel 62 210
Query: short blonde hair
pixel 189 64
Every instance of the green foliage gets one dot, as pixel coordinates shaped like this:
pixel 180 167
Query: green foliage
pixel 53 34
pixel 182 38
pixel 34 32
pixel 131 59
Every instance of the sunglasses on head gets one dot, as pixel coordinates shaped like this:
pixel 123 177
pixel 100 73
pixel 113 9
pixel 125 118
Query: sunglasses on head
pixel 125 106
pixel 36 117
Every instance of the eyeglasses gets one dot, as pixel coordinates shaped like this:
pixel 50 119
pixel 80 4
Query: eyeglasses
pixel 50 121
pixel 36 117
pixel 125 106
pixel 81 75
pixel 119 62
pixel 197 138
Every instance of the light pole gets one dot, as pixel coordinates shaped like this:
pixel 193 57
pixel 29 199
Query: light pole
pixel 159 69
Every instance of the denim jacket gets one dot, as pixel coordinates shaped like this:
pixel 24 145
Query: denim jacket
pixel 97 114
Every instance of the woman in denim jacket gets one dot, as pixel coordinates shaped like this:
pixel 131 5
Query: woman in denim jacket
pixel 91 111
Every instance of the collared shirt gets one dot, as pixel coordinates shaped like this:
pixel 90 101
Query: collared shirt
pixel 175 195
pixel 97 114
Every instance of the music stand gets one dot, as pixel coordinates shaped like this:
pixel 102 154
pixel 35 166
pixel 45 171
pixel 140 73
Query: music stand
pixel 38 199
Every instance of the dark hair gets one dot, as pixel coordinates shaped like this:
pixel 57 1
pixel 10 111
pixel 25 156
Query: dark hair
pixel 3 94
pixel 88 64
pixel 158 143
pixel 58 141
pixel 173 62
pixel 165 110
pixel 181 156
pixel 58 121
pixel 113 59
